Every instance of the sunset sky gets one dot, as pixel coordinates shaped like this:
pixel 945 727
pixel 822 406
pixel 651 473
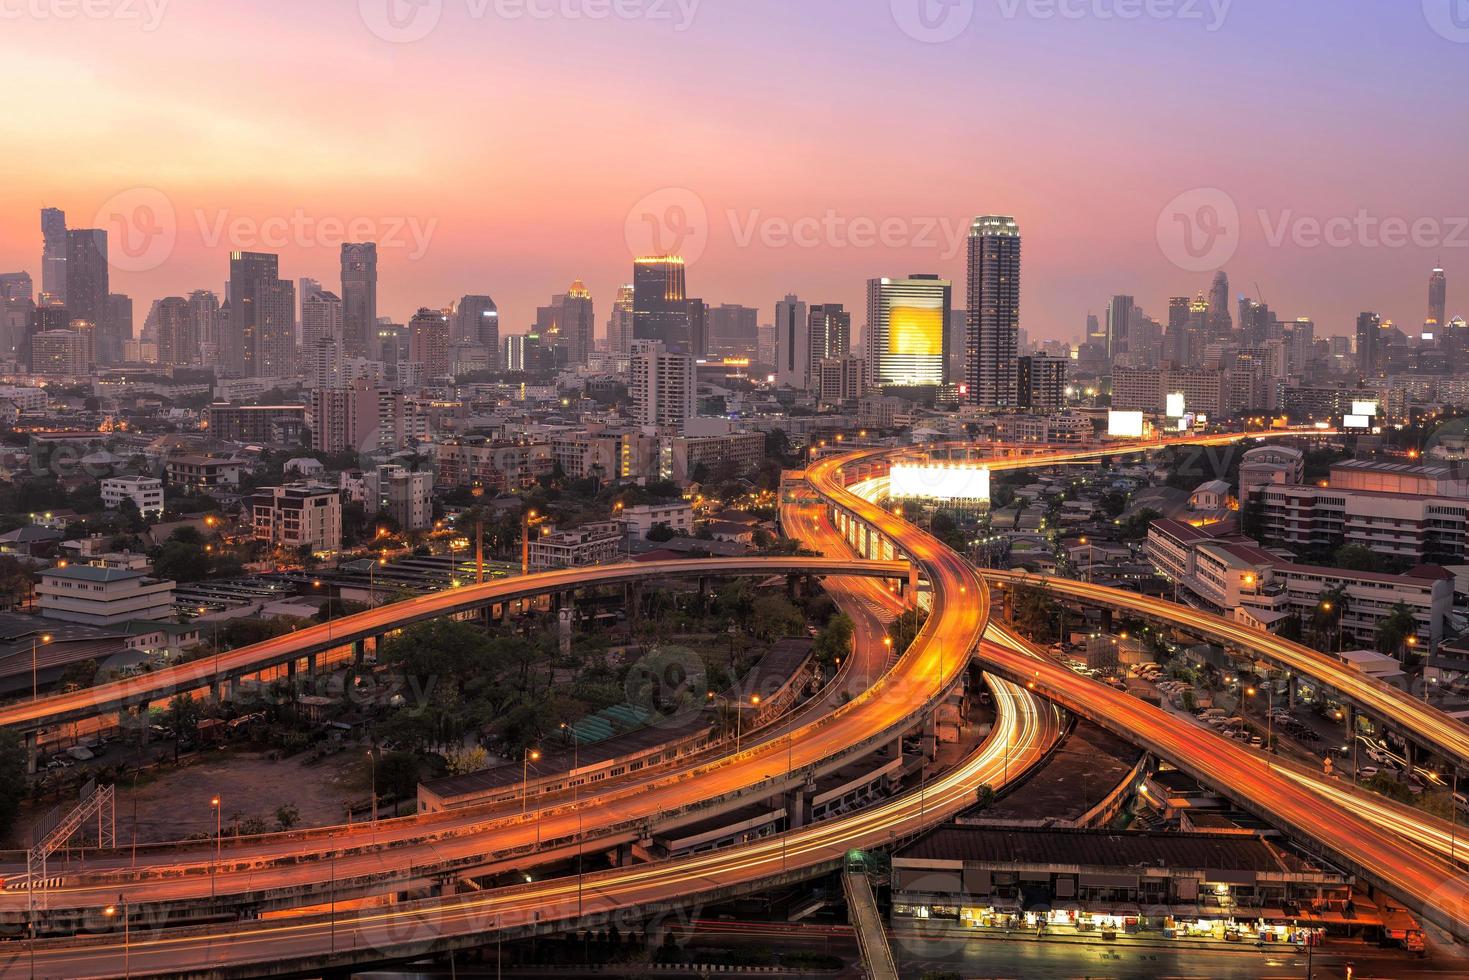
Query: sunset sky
pixel 519 148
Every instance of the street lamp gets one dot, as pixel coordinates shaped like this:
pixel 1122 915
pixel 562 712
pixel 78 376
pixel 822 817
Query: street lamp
pixel 372 759
pixel 43 638
pixel 576 804
pixel 218 836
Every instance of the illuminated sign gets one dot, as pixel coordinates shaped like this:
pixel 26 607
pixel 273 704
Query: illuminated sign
pixel 1176 407
pixel 1358 422
pixel 940 482
pixel 916 331
pixel 1368 409
pixel 1125 425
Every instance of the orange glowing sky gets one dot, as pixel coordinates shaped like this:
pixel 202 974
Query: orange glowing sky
pixel 522 145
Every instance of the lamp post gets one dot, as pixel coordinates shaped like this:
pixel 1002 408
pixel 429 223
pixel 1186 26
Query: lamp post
pixel 372 761
pixel 740 717
pixel 44 638
pixel 531 755
pixel 1269 718
pixel 218 837
pixel 110 912
pixel 576 804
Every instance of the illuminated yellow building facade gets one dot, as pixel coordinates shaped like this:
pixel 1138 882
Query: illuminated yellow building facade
pixel 907 343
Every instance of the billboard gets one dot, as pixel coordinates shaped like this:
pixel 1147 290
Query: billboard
pixel 1368 409
pixel 1176 405
pixel 938 481
pixel 1358 422
pixel 1125 425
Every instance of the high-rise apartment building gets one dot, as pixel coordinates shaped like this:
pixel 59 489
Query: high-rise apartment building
pixel 476 320
pixel 578 324
pixel 906 335
pixel 359 299
pixel 662 385
pixel 992 341
pixel 1040 383
pixel 830 329
pixel 661 303
pixel 792 343
pixel 428 342
pixel 1119 325
pixel 251 274
pixel 174 327
pixel 53 254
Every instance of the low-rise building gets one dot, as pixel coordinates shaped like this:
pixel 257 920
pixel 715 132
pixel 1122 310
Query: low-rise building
pixel 678 517
pixel 103 596
pixel 491 465
pixel 590 544
pixel 404 495
pixel 202 474
pixel 299 515
pixel 146 493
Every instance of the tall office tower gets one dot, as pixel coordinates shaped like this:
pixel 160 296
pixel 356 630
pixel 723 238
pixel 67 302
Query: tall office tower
pixel 306 287
pixel 1256 322
pixel 1178 307
pixel 428 342
pixel 476 320
pixel 1040 383
pixel 661 303
pixel 905 331
pixel 87 275
pixel 662 385
pixel 174 327
pixel 1119 325
pixel 1438 294
pixel 119 326
pixel 734 332
pixel 53 254
pixel 619 324
pixel 792 344
pixel 359 299
pixel 16 286
pixel 1221 323
pixel 1300 345
pixel 830 329
pixel 992 341
pixel 44 319
pixel 578 323
pixel 256 318
pixel 1369 349
pixel 698 328
pixel 1094 332
pixel 321 323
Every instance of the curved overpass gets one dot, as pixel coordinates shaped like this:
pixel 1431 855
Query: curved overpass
pixel 119 695
pixel 1431 726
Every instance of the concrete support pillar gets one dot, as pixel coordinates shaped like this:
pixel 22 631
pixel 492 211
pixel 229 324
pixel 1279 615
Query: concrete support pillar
pixel 311 665
pixel 32 750
pixel 1292 689
pixel 218 687
pixel 1106 620
pixel 359 651
pixel 624 855
pixel 291 669
pixel 567 617
pixel 797 807
pixel 912 586
pixel 1411 754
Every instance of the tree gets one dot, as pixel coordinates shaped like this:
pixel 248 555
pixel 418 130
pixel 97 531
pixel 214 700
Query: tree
pixel 287 816
pixel 462 760
pixel 12 779
pixel 661 532
pixel 397 775
pixel 773 617
pixel 835 641
pixel 1033 613
pixel 1355 558
pixel 1394 631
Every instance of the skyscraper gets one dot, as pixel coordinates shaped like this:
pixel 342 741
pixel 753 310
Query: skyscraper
pixel 204 327
pixel 1369 352
pixel 53 254
pixel 1438 290
pixel 1221 322
pixel 830 328
pixel 359 299
pixel 578 323
pixel 476 320
pixel 428 342
pixel 620 323
pixel 119 326
pixel 792 343
pixel 261 337
pixel 174 325
pixel 906 335
pixel 660 303
pixel 1119 325
pixel 992 341
pixel 733 332
pixel 87 279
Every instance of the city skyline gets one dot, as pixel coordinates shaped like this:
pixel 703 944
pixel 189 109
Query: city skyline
pixel 511 240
